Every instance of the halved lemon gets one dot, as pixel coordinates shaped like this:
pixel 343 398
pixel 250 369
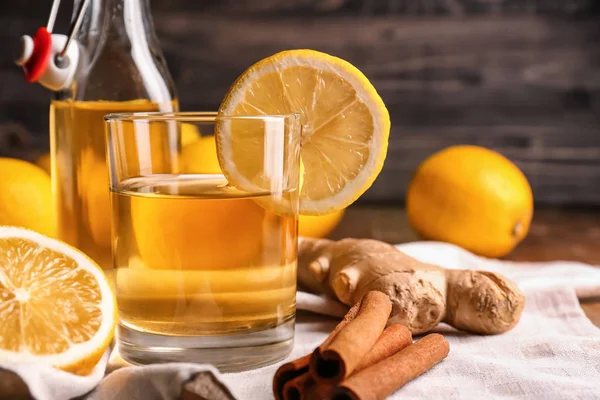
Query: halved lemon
pixel 56 305
pixel 345 126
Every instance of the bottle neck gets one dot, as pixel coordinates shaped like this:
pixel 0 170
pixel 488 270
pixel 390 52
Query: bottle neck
pixel 126 22
pixel 121 55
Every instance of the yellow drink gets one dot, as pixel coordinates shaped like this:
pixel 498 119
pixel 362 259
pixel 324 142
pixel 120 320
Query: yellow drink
pixel 80 173
pixel 195 256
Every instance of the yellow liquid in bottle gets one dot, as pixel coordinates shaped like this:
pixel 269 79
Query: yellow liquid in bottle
pixel 80 172
pixel 195 256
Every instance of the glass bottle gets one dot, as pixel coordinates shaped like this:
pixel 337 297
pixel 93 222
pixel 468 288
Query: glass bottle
pixel 120 69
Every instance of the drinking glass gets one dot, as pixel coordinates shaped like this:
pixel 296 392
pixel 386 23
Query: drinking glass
pixel 204 266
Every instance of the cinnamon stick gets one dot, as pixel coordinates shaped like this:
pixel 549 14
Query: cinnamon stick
pixel 297 388
pixel 296 368
pixel 339 355
pixel 393 339
pixel 287 372
pixel 385 377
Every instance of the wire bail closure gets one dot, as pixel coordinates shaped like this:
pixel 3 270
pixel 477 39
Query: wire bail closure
pixel 49 58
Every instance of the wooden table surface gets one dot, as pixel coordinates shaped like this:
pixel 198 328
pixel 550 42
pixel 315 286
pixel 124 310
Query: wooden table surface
pixel 555 234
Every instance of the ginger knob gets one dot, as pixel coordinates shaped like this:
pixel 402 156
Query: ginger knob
pixel 422 295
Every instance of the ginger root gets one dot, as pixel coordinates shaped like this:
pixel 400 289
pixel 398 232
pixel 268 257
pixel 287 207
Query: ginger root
pixel 422 295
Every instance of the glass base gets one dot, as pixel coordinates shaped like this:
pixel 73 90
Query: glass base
pixel 228 353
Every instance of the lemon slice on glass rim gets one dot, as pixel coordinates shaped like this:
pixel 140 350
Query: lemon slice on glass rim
pixel 56 305
pixel 345 126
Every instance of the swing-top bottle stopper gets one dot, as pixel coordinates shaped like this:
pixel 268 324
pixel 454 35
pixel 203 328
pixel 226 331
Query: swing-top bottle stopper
pixel 50 58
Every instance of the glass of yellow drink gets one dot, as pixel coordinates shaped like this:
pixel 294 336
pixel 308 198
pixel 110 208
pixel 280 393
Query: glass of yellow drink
pixel 205 269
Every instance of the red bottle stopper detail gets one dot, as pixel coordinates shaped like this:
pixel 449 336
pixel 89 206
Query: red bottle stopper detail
pixel 42 49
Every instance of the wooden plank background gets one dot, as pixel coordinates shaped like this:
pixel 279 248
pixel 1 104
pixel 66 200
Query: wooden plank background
pixel 518 76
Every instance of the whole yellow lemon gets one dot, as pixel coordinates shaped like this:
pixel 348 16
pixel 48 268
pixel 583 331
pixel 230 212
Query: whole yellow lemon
pixel 318 226
pixel 26 196
pixel 473 197
pixel 95 197
pixel 94 194
pixel 176 233
pixel 189 134
pixel 200 156
pixel 96 203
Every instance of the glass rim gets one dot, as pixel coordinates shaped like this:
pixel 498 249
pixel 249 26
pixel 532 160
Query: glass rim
pixel 191 116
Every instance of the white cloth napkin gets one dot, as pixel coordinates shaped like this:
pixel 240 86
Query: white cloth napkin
pixel 553 353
